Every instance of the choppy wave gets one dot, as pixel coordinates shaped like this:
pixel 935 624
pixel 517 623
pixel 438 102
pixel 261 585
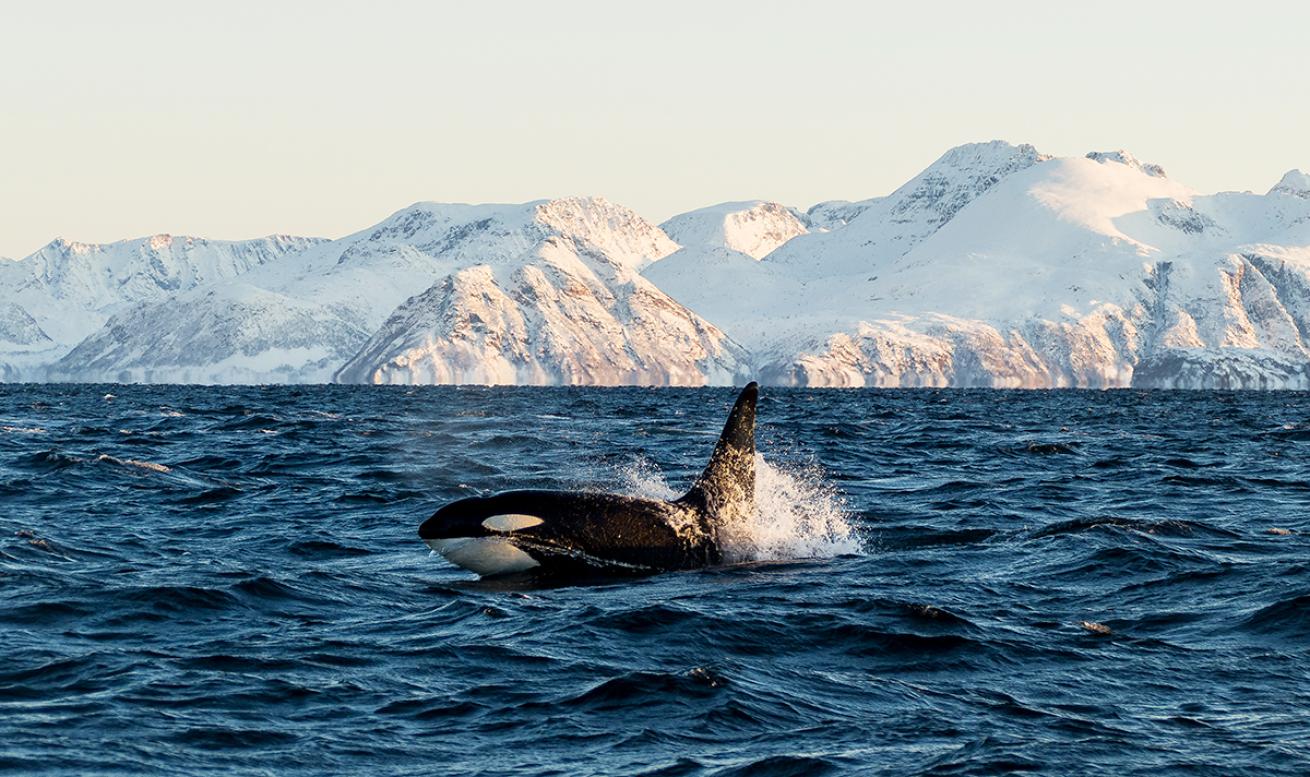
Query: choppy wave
pixel 936 582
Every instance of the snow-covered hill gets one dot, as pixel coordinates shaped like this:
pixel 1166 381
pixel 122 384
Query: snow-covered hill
pixel 548 322
pixel 887 227
pixel 719 267
pixel 995 266
pixel 555 299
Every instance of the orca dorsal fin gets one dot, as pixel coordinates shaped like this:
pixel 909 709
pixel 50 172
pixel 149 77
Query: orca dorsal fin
pixel 727 486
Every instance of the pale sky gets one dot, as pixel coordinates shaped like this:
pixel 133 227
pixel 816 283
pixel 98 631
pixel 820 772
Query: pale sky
pixel 237 119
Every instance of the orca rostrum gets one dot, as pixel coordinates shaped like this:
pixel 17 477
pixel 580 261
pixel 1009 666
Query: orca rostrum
pixel 580 532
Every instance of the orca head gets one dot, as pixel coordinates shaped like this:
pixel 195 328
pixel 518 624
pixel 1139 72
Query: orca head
pixel 476 533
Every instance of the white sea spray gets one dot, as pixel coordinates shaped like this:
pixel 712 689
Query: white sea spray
pixel 798 514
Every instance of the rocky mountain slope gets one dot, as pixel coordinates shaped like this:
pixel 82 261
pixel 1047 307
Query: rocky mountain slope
pixel 563 303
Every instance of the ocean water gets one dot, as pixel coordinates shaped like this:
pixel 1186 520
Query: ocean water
pixel 228 581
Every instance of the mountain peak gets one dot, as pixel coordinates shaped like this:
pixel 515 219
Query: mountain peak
pixel 753 227
pixel 1125 158
pixel 1294 183
pixel 616 230
pixel 957 178
pixel 989 153
pixel 570 209
pixel 68 247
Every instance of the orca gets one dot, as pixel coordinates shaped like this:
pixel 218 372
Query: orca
pixel 578 533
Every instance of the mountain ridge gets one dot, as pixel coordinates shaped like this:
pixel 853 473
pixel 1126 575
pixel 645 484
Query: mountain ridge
pixel 997 265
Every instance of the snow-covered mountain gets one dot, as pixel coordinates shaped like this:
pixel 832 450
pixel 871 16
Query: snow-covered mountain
pixel 995 266
pixel 888 227
pixel 560 301
pixel 818 283
pixel 231 332
pixel 544 292
pixel 66 291
pixel 1295 184
pixel 999 266
pixel 753 228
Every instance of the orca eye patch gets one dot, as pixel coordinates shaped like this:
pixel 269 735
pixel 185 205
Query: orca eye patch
pixel 511 522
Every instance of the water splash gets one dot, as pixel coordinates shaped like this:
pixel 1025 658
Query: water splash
pixel 642 477
pixel 798 514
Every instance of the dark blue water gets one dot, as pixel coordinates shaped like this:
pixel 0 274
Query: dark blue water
pixel 221 581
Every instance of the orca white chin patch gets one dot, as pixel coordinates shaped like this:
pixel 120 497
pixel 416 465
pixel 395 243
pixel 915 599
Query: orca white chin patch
pixel 512 522
pixel 486 556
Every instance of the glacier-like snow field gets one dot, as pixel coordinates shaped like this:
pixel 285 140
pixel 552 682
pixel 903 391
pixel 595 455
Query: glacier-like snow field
pixel 228 581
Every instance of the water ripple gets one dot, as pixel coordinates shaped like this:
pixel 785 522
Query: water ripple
pixel 200 580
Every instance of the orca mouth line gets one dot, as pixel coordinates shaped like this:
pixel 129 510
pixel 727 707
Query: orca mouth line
pixel 504 555
pixel 582 556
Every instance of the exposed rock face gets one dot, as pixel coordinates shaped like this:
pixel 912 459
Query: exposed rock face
pixel 547 324
pixel 1227 371
pixel 970 354
pixel 834 214
pixel 1252 330
pixel 17 328
pixel 1125 158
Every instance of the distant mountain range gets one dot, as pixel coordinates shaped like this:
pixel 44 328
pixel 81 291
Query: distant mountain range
pixel 995 266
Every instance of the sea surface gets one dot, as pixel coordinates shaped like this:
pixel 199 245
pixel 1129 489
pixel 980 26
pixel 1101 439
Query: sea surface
pixel 228 581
